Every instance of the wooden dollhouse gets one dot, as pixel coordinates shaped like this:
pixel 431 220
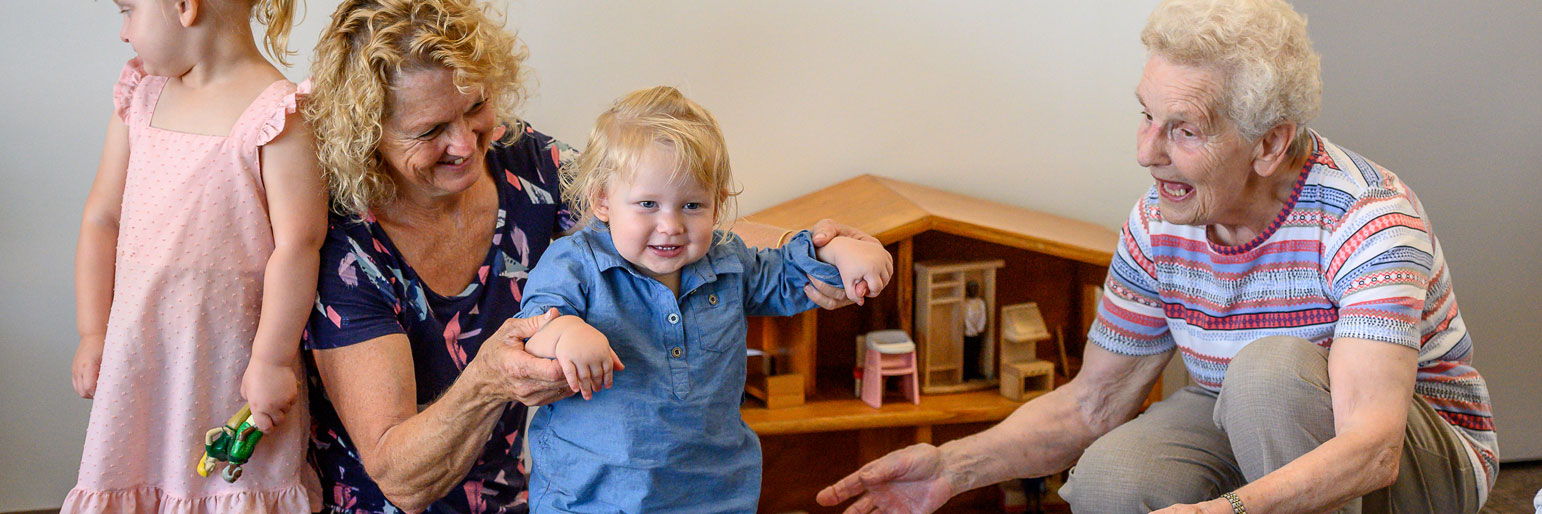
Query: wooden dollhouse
pixel 813 427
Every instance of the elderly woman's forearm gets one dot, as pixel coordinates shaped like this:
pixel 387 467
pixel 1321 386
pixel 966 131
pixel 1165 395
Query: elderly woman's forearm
pixel 424 457
pixel 1343 468
pixel 1044 436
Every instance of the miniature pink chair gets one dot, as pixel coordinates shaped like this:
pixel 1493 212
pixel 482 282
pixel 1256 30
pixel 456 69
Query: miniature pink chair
pixel 889 353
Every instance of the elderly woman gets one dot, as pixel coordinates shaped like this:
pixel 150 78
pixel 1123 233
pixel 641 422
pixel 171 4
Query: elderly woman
pixel 1260 247
pixel 443 202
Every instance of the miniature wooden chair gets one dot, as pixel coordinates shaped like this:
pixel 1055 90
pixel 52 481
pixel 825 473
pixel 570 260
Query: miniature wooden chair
pixel 889 353
pixel 1022 328
pixel 1019 378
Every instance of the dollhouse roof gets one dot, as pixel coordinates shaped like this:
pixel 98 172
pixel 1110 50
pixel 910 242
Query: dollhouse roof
pixel 893 210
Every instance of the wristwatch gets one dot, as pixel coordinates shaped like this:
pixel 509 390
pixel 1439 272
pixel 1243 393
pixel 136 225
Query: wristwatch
pixel 1236 503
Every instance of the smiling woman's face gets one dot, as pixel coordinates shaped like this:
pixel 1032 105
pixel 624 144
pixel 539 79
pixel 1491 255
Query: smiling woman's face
pixel 435 137
pixel 1198 159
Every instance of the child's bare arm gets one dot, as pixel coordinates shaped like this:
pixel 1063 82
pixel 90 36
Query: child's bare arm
pixel 96 255
pixel 584 353
pixel 297 208
pixel 859 261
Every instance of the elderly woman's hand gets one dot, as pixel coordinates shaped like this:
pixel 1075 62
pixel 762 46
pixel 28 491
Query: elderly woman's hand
pixel 516 374
pixel 822 294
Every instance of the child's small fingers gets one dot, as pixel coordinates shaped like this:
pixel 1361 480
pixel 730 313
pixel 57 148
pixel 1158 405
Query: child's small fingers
pixel 570 373
pixel 616 360
pixel 262 421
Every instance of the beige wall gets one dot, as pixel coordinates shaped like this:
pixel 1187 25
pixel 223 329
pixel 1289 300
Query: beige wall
pixel 1025 103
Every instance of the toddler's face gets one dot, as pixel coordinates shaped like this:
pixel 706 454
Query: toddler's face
pixel 658 224
pixel 152 28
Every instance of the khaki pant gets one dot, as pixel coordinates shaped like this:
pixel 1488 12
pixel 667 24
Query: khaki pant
pixel 1273 407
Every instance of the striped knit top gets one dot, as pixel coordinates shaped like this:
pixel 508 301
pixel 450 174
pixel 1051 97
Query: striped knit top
pixel 1352 255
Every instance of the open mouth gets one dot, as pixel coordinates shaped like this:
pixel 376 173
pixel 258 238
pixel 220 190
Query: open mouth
pixel 454 162
pixel 666 250
pixel 1174 190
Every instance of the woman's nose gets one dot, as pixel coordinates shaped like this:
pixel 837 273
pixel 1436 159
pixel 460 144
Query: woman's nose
pixel 1148 146
pixel 462 139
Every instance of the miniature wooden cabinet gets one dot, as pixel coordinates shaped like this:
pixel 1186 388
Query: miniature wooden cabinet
pixel 939 320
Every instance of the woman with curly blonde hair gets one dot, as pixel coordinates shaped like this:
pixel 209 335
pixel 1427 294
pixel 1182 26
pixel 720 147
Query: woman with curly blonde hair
pixel 442 202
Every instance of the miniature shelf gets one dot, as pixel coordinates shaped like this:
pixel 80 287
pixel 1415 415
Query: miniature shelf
pixel 852 414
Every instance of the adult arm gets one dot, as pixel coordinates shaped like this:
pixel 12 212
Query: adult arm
pixel 1043 436
pixel 418 457
pixel 297 209
pixel 95 257
pixel 1372 383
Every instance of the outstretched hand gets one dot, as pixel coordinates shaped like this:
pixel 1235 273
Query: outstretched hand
pixel 908 481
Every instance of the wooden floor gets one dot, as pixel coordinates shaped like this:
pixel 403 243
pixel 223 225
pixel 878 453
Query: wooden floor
pixel 1513 492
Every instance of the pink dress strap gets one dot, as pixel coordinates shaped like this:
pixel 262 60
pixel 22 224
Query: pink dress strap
pixel 123 91
pixel 273 120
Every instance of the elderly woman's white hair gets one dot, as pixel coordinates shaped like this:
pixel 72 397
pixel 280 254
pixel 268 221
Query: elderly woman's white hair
pixel 1271 74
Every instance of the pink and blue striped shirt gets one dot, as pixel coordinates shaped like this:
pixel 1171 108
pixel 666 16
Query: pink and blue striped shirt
pixel 1352 255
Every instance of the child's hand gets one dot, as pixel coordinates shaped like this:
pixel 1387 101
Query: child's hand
pixel 87 365
pixel 586 358
pixel 865 266
pixel 270 390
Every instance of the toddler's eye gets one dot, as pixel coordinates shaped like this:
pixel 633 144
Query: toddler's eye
pixel 647 204
pixel 691 206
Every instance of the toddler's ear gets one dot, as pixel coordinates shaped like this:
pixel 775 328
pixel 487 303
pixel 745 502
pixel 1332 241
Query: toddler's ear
pixel 187 11
pixel 601 207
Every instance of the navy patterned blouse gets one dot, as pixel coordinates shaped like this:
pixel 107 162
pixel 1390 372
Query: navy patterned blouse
pixel 366 291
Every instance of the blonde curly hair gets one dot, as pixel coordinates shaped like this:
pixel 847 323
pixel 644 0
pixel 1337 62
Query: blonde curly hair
pixel 278 17
pixel 367 47
pixel 1262 50
pixel 636 123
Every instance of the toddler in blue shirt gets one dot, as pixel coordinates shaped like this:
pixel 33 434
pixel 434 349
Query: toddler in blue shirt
pixel 651 281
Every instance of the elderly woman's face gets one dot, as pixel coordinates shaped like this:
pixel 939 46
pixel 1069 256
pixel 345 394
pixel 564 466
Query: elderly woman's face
pixel 1200 162
pixel 435 138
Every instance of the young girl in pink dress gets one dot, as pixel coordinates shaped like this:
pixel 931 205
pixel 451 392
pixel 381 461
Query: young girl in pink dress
pixel 197 265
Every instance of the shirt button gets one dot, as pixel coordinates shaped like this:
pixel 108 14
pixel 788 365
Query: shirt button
pixel 712 299
pixel 676 352
pixel 674 318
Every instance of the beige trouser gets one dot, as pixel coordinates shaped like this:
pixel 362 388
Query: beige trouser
pixel 1273 407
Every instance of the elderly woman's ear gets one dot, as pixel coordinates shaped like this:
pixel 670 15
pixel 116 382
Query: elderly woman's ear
pixel 1273 149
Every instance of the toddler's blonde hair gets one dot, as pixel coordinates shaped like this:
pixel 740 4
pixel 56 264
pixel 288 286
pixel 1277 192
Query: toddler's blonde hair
pixel 633 125
pixel 278 17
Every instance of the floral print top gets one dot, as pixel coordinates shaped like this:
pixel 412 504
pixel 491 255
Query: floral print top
pixel 367 291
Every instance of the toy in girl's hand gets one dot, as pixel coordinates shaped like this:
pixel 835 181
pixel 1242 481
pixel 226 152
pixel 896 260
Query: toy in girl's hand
pixel 231 444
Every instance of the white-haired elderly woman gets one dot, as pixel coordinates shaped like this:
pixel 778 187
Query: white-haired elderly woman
pixel 1301 284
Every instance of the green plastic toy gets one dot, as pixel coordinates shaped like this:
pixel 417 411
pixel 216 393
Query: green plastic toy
pixel 231 444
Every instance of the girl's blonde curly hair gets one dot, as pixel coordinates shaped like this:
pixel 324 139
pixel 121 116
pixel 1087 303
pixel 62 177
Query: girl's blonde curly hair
pixel 366 48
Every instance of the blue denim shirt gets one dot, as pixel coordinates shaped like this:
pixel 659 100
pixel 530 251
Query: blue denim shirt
pixel 667 437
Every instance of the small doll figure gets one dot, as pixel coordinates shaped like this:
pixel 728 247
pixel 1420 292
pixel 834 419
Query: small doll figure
pixel 974 331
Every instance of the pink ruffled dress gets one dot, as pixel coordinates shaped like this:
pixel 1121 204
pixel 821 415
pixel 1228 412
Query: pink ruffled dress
pixel 193 241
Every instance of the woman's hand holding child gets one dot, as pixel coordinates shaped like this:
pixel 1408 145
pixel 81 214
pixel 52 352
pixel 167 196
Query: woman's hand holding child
pixel 584 353
pixel 860 262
